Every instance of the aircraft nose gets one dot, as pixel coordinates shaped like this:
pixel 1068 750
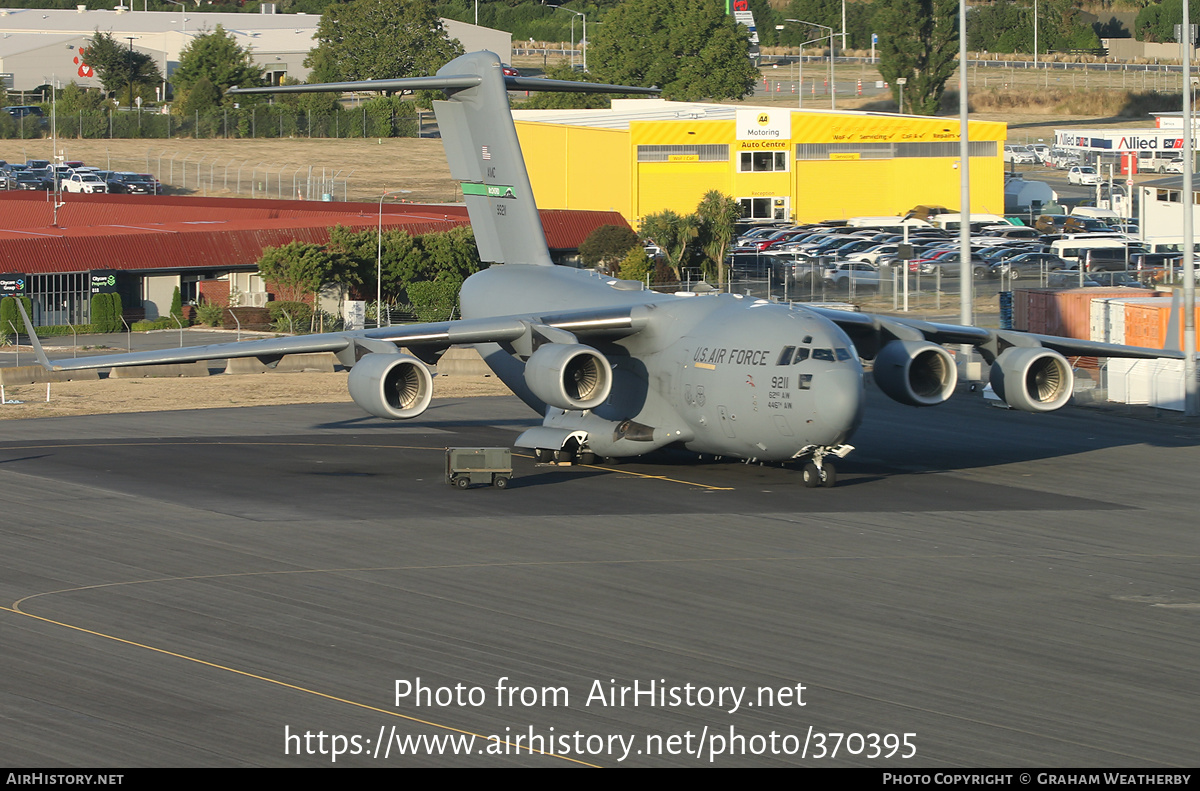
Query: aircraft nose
pixel 839 398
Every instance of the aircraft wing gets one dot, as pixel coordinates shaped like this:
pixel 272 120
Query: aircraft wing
pixel 425 339
pixel 871 331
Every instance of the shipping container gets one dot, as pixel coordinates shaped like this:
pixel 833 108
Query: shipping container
pixel 1146 323
pixel 1062 311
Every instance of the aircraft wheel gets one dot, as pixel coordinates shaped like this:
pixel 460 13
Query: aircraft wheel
pixel 830 477
pixel 810 475
pixel 500 482
pixel 587 457
pixel 564 455
pixel 462 482
pixel 543 455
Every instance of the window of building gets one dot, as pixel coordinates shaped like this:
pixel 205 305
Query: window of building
pixel 764 208
pixel 698 153
pixel 762 161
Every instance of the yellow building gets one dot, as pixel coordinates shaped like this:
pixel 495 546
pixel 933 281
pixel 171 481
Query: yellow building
pixel 647 155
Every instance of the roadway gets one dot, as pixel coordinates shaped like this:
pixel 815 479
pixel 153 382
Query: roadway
pixel 188 588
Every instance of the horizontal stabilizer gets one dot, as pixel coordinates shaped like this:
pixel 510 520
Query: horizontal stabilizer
pixel 449 83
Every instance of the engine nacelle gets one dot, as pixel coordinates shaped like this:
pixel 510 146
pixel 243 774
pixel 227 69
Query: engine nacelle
pixel 569 376
pixel 1032 378
pixel 917 373
pixel 392 386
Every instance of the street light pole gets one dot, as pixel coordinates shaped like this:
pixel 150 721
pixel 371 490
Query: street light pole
pixel 902 81
pixel 1191 393
pixel 130 38
pixel 379 259
pixel 182 35
pixel 829 35
pixel 584 41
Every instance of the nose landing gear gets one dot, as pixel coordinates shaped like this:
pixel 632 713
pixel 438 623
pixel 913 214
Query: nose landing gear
pixel 818 471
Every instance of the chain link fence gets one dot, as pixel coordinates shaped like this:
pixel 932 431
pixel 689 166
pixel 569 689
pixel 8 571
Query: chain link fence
pixel 265 121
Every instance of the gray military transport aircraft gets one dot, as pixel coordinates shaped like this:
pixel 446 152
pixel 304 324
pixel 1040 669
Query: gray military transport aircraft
pixel 620 371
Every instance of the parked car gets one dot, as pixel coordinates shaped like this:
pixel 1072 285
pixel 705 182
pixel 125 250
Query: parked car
pixel 21 111
pixel 1020 155
pixel 1065 279
pixel 1127 279
pixel 133 184
pixel 84 182
pixel 1083 174
pixel 861 275
pixel 1028 265
pixel 28 180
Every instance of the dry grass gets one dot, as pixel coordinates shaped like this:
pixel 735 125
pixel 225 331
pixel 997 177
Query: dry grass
pixel 109 396
pixel 370 167
pixel 1092 103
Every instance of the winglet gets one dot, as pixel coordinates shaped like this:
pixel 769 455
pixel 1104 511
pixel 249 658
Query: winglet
pixel 33 339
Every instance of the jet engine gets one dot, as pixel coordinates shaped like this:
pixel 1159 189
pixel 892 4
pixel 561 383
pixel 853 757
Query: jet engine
pixel 1032 378
pixel 569 376
pixel 917 373
pixel 392 386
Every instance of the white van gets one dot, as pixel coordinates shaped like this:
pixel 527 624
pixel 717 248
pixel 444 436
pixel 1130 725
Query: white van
pixel 886 223
pixel 1104 215
pixel 1071 250
pixel 1167 244
pixel 950 222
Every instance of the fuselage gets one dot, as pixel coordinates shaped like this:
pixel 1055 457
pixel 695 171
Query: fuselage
pixel 725 374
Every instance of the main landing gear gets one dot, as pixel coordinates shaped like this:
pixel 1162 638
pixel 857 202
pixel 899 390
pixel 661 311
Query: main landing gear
pixel 565 457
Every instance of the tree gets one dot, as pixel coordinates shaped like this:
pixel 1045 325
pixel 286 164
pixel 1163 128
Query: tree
pixel 607 245
pixel 1005 26
pixel 202 97
pixel 918 40
pixel 295 269
pixel 689 48
pixel 637 265
pixel 674 233
pixel 1157 21
pixel 216 57
pixel 718 214
pixel 380 39
pixel 73 99
pixel 560 100
pixel 120 67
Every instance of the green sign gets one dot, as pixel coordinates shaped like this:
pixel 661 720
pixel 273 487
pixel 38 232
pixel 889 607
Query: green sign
pixel 488 190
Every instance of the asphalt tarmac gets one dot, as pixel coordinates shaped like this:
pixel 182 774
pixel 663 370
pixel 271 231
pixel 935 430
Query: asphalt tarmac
pixel 298 586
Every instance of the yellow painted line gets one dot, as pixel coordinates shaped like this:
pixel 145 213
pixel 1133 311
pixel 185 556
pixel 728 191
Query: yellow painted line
pixel 643 475
pixel 294 687
pixel 707 366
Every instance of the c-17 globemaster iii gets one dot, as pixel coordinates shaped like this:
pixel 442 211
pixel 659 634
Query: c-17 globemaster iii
pixel 620 371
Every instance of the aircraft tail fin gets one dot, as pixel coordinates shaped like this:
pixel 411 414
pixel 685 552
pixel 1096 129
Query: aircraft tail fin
pixel 38 352
pixel 481 146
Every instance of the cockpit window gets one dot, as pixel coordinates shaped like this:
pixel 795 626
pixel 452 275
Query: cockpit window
pixel 785 357
pixel 842 355
pixel 801 355
pixel 823 354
